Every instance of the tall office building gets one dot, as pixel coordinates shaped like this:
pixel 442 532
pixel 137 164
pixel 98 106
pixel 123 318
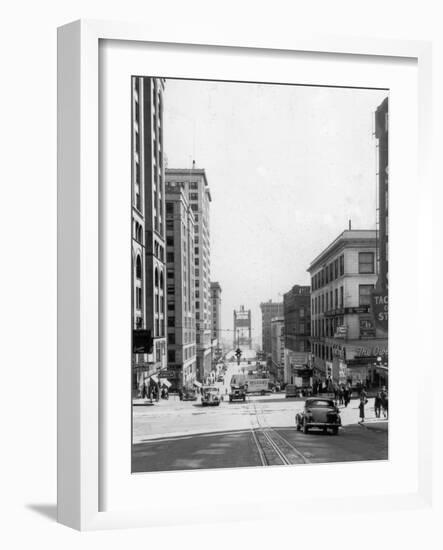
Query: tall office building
pixel 148 229
pixel 196 188
pixel 182 364
pixel 382 135
pixel 216 310
pixel 269 310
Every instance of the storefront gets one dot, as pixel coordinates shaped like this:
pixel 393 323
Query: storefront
pixel 367 363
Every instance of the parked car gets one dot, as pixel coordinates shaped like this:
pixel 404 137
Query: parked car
pixel 211 396
pixel 318 413
pixel 188 395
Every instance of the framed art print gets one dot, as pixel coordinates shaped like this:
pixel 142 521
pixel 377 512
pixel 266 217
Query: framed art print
pixel 234 223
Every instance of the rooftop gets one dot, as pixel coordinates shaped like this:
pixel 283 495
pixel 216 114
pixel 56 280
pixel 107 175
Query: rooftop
pixel 349 237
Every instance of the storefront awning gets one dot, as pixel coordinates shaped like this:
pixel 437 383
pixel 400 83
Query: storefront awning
pixel 165 382
pixel 197 384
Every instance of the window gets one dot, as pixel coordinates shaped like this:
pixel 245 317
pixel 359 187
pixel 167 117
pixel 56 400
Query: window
pixel 170 257
pixel 170 274
pixel 336 268
pixel 162 282
pixel 336 298
pixel 196 250
pixel 341 297
pixel 169 224
pixel 364 295
pixel 194 207
pixel 156 277
pixel 138 268
pixel 170 241
pixel 302 328
pixel 366 262
pixel 342 265
pixel 193 185
pixel 171 321
pixel 171 356
pixel 169 208
pixel 302 312
pixel 171 338
pixel 193 196
pixel 138 298
pixel 171 306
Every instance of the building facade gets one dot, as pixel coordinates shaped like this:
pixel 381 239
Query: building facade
pixel 345 344
pixel 197 192
pixel 382 136
pixel 297 318
pixel 181 331
pixel 277 362
pixel 216 332
pixel 148 228
pixel 269 310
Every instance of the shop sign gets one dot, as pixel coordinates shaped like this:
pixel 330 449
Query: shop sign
pixel 341 331
pixel 367 329
pixel 342 372
pixel 380 308
pixel 358 309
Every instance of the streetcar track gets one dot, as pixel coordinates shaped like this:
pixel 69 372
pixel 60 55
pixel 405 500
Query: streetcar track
pixel 269 436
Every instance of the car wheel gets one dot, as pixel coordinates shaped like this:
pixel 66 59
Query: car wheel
pixel 305 428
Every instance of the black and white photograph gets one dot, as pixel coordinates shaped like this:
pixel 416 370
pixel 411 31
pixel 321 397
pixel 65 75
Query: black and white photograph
pixel 259 269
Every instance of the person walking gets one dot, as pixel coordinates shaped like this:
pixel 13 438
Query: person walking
pixel 340 395
pixel 384 401
pixel 361 408
pixel 377 404
pixel 346 396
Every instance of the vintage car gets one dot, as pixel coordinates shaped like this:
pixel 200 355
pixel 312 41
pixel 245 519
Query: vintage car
pixel 319 413
pixel 210 396
pixel 188 394
pixel 237 393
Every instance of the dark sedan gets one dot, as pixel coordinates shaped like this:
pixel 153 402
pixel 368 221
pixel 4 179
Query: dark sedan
pixel 318 413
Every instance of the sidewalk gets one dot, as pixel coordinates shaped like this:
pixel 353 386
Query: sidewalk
pixel 140 402
pixel 351 415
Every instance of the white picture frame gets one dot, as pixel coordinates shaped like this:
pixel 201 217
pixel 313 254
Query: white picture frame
pixel 79 411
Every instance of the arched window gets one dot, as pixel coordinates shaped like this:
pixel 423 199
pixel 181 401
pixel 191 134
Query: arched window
pixel 138 268
pixel 139 234
pixel 156 277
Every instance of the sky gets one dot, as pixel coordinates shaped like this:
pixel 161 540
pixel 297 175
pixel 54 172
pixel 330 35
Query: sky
pixel 288 167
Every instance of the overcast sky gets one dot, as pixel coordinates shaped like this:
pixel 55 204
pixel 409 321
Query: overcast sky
pixel 288 166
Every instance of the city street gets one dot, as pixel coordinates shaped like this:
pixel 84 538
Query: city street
pixel 180 435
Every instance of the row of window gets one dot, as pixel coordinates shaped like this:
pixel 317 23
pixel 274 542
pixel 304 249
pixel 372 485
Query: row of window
pixel 328 300
pixel 329 273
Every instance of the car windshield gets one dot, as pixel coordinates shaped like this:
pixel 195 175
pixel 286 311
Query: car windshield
pixel 320 403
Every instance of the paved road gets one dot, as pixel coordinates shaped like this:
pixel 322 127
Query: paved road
pixel 266 447
pixel 176 435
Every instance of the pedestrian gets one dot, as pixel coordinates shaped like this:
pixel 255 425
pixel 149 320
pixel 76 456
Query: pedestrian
pixel 361 408
pixel 384 401
pixel 345 396
pixel 377 404
pixel 340 395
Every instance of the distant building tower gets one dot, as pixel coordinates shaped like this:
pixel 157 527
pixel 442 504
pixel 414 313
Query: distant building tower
pixel 242 328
